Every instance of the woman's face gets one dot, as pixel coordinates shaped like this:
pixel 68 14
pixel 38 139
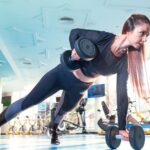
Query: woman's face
pixel 139 35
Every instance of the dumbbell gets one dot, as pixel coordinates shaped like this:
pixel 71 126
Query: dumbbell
pixel 84 48
pixel 136 137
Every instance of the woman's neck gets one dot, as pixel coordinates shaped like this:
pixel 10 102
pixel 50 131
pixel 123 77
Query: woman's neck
pixel 122 41
pixel 120 45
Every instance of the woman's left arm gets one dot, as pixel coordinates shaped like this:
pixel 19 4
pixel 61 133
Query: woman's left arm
pixel 122 97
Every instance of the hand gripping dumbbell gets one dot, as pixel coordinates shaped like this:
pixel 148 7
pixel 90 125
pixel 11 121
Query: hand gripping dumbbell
pixel 136 137
pixel 84 48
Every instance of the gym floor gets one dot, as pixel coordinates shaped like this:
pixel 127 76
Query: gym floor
pixel 68 142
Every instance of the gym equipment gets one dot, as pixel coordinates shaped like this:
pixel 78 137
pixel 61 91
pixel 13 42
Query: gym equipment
pixel 103 124
pixel 68 62
pixel 81 111
pixel 23 125
pixel 12 128
pixel 32 126
pixel 41 128
pixel 105 109
pixel 145 126
pixel 136 137
pixel 131 119
pixel 84 48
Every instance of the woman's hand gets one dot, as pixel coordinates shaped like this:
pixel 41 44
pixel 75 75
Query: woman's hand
pixel 125 134
pixel 74 55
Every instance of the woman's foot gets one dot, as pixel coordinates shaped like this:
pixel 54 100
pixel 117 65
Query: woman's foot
pixel 2 117
pixel 125 134
pixel 54 138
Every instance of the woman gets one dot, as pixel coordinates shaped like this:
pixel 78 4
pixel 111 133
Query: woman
pixel 117 54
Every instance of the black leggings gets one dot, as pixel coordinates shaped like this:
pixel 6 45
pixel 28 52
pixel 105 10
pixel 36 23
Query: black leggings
pixel 56 79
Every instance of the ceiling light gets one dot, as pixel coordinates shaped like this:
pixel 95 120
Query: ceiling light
pixel 26 61
pixel 66 19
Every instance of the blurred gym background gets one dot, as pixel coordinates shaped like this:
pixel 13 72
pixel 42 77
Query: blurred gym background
pixel 33 34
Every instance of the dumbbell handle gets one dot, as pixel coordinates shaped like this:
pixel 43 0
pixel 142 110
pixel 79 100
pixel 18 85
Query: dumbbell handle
pixel 119 136
pixel 71 59
pixel 74 55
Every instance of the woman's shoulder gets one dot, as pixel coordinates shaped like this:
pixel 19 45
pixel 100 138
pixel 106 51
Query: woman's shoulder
pixel 101 34
pixel 91 30
pixel 93 34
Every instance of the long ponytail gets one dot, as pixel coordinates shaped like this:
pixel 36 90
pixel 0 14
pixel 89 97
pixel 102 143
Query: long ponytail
pixel 136 60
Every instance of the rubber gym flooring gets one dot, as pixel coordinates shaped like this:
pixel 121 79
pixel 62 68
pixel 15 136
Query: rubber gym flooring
pixel 68 142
